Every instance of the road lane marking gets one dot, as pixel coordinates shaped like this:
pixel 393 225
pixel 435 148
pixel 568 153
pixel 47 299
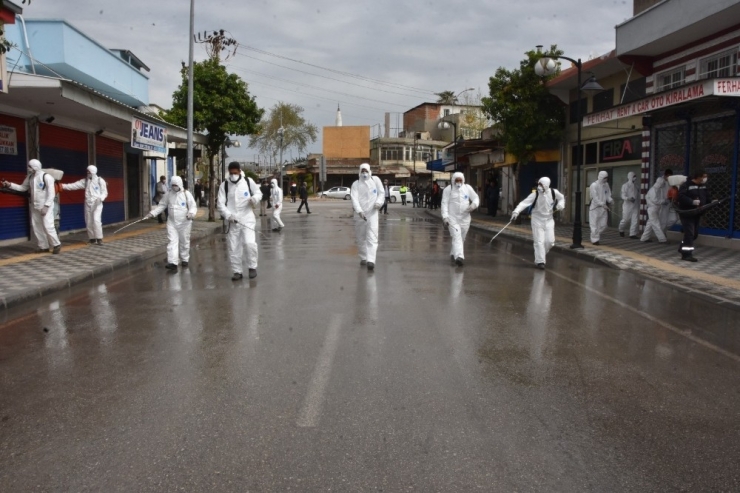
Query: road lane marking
pixel 685 333
pixel 310 412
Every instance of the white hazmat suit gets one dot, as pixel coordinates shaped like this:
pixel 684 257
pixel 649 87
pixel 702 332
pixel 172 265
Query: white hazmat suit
pixel 457 204
pixel 657 199
pixel 601 196
pixel 236 203
pixel 96 191
pixel 181 208
pixel 546 202
pixel 367 198
pixel 40 186
pixel 630 207
pixel 276 196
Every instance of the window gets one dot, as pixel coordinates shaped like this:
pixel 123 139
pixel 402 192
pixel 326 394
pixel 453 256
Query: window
pixel 574 109
pixel 604 100
pixel 721 65
pixel 447 112
pixel 636 89
pixel 391 153
pixel 671 79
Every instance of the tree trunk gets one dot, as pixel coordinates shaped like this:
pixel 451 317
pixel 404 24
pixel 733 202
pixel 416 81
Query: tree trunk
pixel 212 188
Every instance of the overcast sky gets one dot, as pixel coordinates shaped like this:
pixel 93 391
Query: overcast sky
pixel 416 47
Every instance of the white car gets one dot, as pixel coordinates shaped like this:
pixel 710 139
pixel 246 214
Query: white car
pixel 396 195
pixel 336 193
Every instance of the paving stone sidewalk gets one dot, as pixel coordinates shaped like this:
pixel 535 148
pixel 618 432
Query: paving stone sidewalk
pixel 25 275
pixel 716 275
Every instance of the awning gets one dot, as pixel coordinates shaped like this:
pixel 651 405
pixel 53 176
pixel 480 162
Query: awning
pixel 692 92
pixel 436 165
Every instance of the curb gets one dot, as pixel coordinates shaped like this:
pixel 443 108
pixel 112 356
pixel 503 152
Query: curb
pixel 518 237
pixel 13 300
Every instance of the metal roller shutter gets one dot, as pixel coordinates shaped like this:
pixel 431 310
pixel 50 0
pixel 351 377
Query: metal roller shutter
pixel 13 208
pixel 109 160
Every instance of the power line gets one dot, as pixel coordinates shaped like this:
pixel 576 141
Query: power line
pixel 346 74
pixel 326 77
pixel 317 88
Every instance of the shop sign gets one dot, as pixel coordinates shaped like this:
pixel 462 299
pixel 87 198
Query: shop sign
pixel 624 149
pixel 8 140
pixel 148 136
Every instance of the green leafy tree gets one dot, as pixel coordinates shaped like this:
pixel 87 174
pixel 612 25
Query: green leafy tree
pixel 298 133
pixel 529 117
pixel 446 97
pixel 222 106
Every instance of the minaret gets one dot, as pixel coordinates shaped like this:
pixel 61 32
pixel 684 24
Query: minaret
pixel 338 123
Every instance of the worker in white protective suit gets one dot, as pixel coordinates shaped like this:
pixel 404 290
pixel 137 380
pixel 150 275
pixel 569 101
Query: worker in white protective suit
pixel 601 198
pixel 40 186
pixel 96 191
pixel 276 196
pixel 545 201
pixel 630 207
pixel 657 201
pixel 368 197
pixel 238 195
pixel 182 209
pixel 458 201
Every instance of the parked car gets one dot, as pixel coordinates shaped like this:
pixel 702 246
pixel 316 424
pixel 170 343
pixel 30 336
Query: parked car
pixel 396 195
pixel 336 193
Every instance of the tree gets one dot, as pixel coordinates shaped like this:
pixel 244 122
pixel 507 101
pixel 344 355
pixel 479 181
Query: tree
pixel 298 134
pixel 529 117
pixel 446 97
pixel 222 106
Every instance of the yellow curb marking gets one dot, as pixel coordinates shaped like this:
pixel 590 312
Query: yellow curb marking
pixel 78 246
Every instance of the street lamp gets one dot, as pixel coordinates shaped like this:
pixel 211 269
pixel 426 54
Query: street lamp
pixel 546 66
pixel 444 124
pixel 227 143
pixel 464 90
pixel 281 133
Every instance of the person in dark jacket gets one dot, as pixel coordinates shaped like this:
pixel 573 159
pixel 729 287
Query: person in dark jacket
pixel 492 196
pixel 265 191
pixel 692 195
pixel 303 194
pixel 293 192
pixel 436 196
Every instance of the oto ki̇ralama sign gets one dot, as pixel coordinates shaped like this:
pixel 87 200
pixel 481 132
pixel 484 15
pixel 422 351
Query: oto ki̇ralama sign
pixel 692 92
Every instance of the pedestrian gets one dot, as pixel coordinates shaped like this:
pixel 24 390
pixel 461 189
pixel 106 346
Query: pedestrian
pixel 276 198
pixel 182 210
pixel 657 199
pixel 199 193
pixel 40 186
pixel 436 196
pixel 293 192
pixel 601 197
pixel 303 195
pixel 366 202
pixel 492 197
pixel 160 191
pixel 545 201
pixel 386 196
pixel 265 190
pixel 458 201
pixel 238 196
pixel 96 191
pixel 692 195
pixel 414 195
pixel 630 207
pixel 403 190
pixel 428 196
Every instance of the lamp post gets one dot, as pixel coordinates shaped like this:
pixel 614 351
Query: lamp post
pixel 281 133
pixel 464 90
pixel 446 124
pixel 191 172
pixel 546 66
pixel 227 143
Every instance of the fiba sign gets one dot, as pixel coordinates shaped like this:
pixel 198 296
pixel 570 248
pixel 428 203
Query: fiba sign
pixel 148 136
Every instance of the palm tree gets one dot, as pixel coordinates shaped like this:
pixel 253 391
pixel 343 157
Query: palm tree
pixel 446 97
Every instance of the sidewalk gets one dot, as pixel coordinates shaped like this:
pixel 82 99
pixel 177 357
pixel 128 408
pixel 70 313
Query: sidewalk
pixel 25 275
pixel 716 275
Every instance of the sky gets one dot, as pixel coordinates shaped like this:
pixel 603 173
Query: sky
pixel 367 57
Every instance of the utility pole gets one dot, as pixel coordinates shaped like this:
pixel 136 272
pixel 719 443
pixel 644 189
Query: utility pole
pixel 191 43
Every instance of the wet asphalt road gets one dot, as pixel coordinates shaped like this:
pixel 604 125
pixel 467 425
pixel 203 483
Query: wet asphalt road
pixel 422 376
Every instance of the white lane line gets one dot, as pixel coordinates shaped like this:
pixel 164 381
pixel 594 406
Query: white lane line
pixel 682 332
pixel 310 412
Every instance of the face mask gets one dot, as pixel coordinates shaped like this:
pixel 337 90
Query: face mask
pixel 540 189
pixel 175 188
pixel 272 185
pixel 234 178
pixel 458 185
pixel 704 180
pixel 89 176
pixel 364 175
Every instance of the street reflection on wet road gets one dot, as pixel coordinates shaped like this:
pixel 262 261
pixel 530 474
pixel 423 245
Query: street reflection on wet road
pixel 319 375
